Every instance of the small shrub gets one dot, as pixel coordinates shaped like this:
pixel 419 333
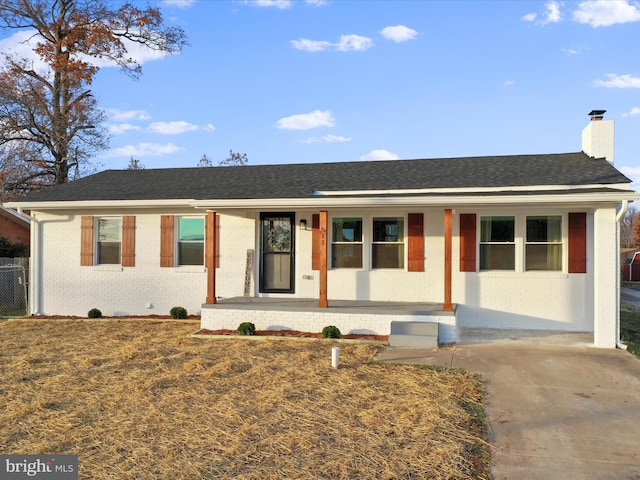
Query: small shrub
pixel 331 331
pixel 247 328
pixel 94 313
pixel 178 312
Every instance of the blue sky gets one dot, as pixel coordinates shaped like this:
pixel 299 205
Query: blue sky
pixel 337 80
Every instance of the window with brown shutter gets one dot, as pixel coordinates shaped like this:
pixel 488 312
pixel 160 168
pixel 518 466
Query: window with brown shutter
pixel 166 240
pixel 86 241
pixel 578 242
pixel 468 242
pixel 128 241
pixel 416 242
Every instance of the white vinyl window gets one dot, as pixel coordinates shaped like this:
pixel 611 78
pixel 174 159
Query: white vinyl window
pixel 543 245
pixel 190 236
pixel 387 248
pixel 346 243
pixel 497 243
pixel 109 241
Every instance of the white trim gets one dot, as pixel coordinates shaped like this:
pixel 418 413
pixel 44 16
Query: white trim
pixel 506 188
pixel 344 200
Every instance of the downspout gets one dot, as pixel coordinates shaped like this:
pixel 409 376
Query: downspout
pixel 623 210
pixel 34 262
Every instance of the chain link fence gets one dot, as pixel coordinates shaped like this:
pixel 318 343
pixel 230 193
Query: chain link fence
pixel 13 290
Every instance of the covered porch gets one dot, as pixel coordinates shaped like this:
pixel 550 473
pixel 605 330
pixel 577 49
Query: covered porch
pixel 350 316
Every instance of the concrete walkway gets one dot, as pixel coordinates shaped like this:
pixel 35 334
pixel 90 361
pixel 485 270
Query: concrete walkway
pixel 555 412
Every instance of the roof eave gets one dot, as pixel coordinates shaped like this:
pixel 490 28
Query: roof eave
pixel 612 195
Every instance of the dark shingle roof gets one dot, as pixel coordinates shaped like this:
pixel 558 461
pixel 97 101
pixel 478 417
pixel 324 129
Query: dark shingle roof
pixel 301 180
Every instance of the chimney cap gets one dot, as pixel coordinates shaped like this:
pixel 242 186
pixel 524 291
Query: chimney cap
pixel 596 113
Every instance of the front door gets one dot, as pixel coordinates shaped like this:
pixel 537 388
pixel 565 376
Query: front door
pixel 277 247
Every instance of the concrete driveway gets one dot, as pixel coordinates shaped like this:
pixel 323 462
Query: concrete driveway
pixel 555 412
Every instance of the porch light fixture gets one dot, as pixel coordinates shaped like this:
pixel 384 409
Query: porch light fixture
pixel 303 223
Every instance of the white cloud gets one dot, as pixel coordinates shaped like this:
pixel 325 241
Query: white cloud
pixel 633 111
pixel 176 128
pixel 618 81
pixel 379 155
pixel 311 45
pixel 316 3
pixel 509 83
pixel 306 121
pixel 22 43
pixel 634 174
pixel 144 149
pixel 398 33
pixel 575 50
pixel 281 4
pixel 118 115
pixel 346 43
pixel 120 128
pixel 551 15
pixel 179 3
pixel 353 43
pixel 604 13
pixel 327 139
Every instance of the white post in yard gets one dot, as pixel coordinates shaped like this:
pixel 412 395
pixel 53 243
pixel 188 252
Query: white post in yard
pixel 335 357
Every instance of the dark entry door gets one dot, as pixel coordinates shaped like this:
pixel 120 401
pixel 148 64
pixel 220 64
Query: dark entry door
pixel 277 247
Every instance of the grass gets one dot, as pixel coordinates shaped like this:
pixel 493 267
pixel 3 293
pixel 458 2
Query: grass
pixel 141 399
pixel 630 324
pixel 630 329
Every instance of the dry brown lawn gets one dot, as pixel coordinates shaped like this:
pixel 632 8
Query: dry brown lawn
pixel 141 399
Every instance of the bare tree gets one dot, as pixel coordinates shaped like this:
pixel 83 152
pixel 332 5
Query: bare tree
pixel 135 164
pixel 49 118
pixel 626 228
pixel 234 159
pixel 205 161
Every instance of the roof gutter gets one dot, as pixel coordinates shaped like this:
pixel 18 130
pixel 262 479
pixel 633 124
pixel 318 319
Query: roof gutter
pixel 34 262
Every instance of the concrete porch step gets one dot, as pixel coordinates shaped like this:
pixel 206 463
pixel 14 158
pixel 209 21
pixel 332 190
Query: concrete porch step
pixel 414 334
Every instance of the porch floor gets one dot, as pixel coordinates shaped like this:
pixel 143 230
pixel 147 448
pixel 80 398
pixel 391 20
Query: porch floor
pixel 360 307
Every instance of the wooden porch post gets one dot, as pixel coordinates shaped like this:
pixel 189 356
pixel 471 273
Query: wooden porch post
pixel 448 213
pixel 211 231
pixel 323 302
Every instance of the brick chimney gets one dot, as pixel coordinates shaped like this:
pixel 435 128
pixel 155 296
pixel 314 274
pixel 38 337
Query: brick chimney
pixel 597 136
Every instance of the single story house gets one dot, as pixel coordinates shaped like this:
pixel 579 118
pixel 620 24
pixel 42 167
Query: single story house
pixel 518 241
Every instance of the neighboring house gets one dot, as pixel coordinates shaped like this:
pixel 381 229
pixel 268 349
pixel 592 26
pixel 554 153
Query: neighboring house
pixel 522 241
pixel 14 227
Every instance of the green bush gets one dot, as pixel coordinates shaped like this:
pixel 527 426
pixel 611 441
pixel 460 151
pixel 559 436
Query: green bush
pixel 247 328
pixel 94 313
pixel 178 312
pixel 331 331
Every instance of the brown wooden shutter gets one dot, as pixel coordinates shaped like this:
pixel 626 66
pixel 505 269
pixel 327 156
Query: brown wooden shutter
pixel 416 242
pixel 166 240
pixel 86 241
pixel 129 241
pixel 578 242
pixel 468 242
pixel 315 242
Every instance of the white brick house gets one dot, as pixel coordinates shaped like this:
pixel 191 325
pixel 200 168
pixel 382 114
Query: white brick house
pixel 525 241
